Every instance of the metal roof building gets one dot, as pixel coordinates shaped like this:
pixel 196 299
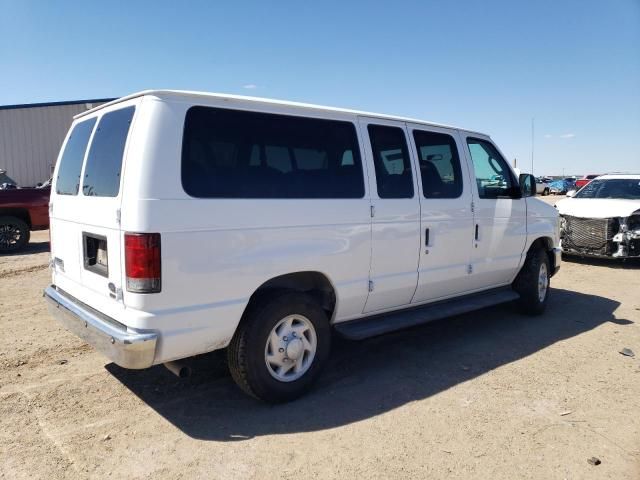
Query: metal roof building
pixel 31 136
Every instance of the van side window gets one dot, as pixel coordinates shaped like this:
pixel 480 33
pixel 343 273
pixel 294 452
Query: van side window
pixel 439 164
pixel 391 161
pixel 104 162
pixel 68 180
pixel 268 156
pixel 493 175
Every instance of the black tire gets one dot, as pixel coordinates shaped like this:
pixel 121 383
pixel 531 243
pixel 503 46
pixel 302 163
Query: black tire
pixel 14 234
pixel 545 192
pixel 246 352
pixel 527 283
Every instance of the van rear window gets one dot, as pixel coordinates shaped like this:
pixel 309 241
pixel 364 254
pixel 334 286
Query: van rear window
pixel 239 154
pixel 104 162
pixel 68 180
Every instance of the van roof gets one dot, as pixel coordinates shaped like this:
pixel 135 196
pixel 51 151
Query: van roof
pixel 268 101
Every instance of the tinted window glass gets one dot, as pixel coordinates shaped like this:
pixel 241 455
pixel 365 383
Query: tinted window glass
pixel 391 160
pixel 493 175
pixel 439 164
pixel 104 163
pixel 235 154
pixel 68 180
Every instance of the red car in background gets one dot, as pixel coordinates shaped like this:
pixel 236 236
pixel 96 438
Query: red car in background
pixel 22 210
pixel 581 182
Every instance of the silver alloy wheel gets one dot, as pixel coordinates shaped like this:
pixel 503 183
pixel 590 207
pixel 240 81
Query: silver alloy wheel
pixel 543 282
pixel 291 348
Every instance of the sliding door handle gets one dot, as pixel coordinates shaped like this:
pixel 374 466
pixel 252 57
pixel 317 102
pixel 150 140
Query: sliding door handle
pixel 476 232
pixel 426 237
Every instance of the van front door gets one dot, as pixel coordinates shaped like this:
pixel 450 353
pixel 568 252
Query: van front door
pixel 500 216
pixel 446 217
pixel 395 212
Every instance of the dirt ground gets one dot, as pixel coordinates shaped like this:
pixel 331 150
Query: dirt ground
pixel 489 395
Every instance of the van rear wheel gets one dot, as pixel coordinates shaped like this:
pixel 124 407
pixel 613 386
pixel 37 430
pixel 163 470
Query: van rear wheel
pixel 14 234
pixel 280 347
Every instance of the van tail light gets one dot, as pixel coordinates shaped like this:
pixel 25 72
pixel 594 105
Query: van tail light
pixel 142 262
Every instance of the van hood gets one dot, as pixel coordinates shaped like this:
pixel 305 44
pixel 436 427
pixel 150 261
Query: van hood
pixel 597 207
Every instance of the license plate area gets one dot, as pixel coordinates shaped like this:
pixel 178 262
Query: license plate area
pixel 95 254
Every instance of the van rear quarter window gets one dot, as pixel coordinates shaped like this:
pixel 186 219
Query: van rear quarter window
pixel 240 154
pixel 68 179
pixel 104 162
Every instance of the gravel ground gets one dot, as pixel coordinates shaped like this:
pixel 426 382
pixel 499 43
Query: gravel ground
pixel 491 394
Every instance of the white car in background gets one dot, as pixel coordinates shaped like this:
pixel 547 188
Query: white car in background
pixel 602 219
pixel 542 187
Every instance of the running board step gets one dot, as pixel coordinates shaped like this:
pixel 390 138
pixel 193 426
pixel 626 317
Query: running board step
pixel 390 322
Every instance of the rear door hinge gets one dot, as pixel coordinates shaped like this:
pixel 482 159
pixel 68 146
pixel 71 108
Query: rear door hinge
pixel 473 207
pixel 469 269
pixel 118 216
pixel 370 285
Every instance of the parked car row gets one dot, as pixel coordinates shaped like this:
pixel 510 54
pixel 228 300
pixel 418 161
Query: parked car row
pixel 561 187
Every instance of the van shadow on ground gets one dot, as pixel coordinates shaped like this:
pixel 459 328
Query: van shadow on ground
pixel 364 379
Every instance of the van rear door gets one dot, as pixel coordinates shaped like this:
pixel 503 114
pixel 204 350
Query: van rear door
pixel 85 208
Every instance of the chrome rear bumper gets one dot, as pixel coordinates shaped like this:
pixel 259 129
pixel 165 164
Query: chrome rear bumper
pixel 127 348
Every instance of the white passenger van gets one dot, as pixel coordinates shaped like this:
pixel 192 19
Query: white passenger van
pixel 183 223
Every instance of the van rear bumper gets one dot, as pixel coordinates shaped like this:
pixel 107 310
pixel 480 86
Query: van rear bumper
pixel 127 348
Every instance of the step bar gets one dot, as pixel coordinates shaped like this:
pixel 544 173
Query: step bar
pixel 389 322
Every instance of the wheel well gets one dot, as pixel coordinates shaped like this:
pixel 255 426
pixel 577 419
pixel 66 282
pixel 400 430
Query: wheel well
pixel 547 245
pixel 21 213
pixel 314 284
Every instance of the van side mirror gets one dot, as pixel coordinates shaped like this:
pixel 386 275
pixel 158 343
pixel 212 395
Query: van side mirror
pixel 528 185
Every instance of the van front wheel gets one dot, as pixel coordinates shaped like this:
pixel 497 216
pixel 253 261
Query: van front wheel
pixel 532 283
pixel 280 347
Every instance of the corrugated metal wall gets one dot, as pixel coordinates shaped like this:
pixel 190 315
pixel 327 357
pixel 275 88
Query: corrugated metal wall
pixel 30 139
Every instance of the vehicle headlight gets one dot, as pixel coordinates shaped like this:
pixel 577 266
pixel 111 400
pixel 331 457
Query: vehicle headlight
pixel 629 229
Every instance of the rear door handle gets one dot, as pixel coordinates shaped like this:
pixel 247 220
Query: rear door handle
pixel 476 232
